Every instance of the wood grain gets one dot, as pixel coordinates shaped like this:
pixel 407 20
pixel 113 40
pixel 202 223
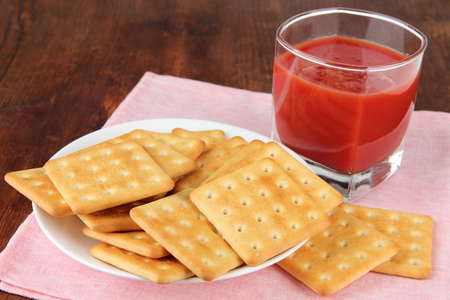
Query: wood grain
pixel 66 65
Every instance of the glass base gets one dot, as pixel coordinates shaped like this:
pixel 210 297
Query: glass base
pixel 352 186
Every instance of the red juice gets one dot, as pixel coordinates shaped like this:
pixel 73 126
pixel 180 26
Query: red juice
pixel 343 119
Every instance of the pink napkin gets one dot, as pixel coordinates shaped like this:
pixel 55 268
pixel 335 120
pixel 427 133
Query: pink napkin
pixel 33 267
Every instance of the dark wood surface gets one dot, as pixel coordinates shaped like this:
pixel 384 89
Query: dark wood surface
pixel 66 65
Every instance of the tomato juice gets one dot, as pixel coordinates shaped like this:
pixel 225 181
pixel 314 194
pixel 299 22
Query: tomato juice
pixel 347 117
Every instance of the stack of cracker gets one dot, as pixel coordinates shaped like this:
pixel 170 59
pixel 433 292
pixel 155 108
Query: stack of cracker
pixel 169 206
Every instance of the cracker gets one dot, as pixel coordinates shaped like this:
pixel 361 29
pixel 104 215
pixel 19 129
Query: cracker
pixel 259 210
pixel 219 150
pixel 321 192
pixel 412 232
pixel 228 167
pixel 113 219
pixel 185 232
pixel 212 137
pixel 195 178
pixel 191 148
pixel 37 187
pixel 340 254
pixel 102 178
pixel 138 242
pixel 173 163
pixel 161 270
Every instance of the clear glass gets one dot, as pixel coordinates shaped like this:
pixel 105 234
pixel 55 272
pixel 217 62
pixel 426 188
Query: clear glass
pixel 346 118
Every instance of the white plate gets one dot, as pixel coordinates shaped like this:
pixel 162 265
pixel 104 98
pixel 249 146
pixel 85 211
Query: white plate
pixel 66 233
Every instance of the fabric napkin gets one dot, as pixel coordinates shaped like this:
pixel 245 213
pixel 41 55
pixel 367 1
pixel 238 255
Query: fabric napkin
pixel 33 267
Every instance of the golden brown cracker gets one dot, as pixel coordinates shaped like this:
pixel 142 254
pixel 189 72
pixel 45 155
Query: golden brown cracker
pixel 228 167
pixel 340 254
pixel 114 219
pixel 321 192
pixel 191 148
pixel 37 187
pixel 138 242
pixel 107 177
pixel 173 163
pixel 219 150
pixel 212 137
pixel 160 270
pixel 184 231
pixel 412 232
pixel 259 210
pixel 195 178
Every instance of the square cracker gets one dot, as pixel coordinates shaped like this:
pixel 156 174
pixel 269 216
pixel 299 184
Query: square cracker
pixel 102 178
pixel 340 254
pixel 228 167
pixel 191 148
pixel 138 242
pixel 185 232
pixel 171 161
pixel 195 178
pixel 212 137
pixel 114 219
pixel 321 192
pixel 219 150
pixel 259 210
pixel 37 187
pixel 412 232
pixel 159 270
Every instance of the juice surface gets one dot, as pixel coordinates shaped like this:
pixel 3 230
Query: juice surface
pixel 342 119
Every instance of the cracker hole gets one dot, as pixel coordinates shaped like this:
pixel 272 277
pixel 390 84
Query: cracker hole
pixel 371 215
pixel 308 267
pixel 240 228
pixel 123 174
pixel 361 255
pixel 275 236
pixel 379 244
pixel 278 209
pixel 343 244
pixel 248 177
pixel 202 238
pixel 145 169
pixel 260 219
pixel 209 196
pixel 244 202
pixel 294 226
pixel 220 254
pixel 393 231
pixel 415 247
pixel 415 262
pixel 288 168
pixel 266 169
pixel 343 267
pixel 186 245
pixel 263 193
pixel 62 165
pixel 325 278
pixel 345 223
pixel 185 223
pixel 100 180
pixel 281 185
pixel 162 267
pixel 326 255
pixel 305 181
pixel 310 244
pixel 255 246
pixel 416 234
pixel 230 186
pixel 85 158
pixel 225 211
pixel 349 210
pixel 312 216
pixel 272 154
pixel 418 222
pixel 109 192
pixel 296 201
pixel 362 233
pixel 327 233
pixel 200 217
pixel 170 230
pixel 113 163
pixel 167 209
pixel 132 185
pixel 394 218
pixel 146 260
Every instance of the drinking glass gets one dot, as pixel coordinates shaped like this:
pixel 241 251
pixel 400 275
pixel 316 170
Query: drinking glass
pixel 344 89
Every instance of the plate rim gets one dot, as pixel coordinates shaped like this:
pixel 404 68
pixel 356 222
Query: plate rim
pixel 119 129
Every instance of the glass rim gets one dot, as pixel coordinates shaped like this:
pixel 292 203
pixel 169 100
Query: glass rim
pixel 334 10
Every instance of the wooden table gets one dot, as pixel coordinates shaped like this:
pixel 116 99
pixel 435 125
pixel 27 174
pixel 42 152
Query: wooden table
pixel 65 66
